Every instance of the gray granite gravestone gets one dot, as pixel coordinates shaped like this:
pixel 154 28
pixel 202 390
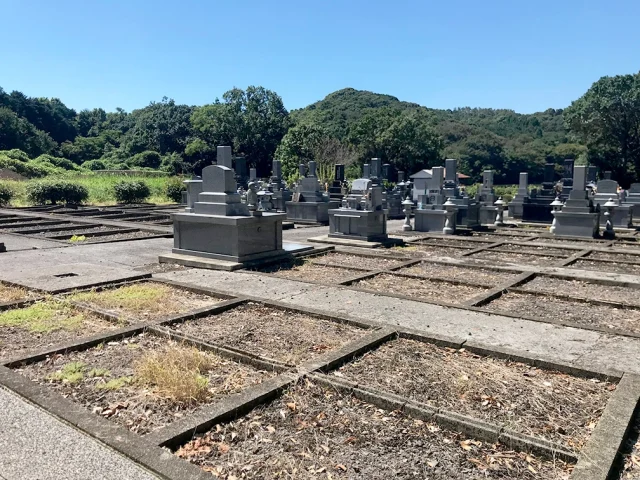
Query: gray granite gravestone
pixel 522 197
pixel 606 190
pixel 487 198
pixel 537 209
pixel 281 194
pixel 194 188
pixel 567 181
pixel 309 204
pixel 335 190
pixel 241 170
pixel 633 199
pixel 375 165
pixel 578 216
pixel 224 157
pixel 592 174
pixel 366 171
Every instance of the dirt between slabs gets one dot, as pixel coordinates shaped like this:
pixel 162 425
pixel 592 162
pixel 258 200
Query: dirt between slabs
pixel 606 267
pixel 455 242
pixel 312 432
pixel 511 258
pixel 14 294
pixel 115 236
pixel 580 289
pixel 551 405
pixel 482 276
pixel 306 270
pixel 417 250
pixel 616 257
pixel 582 313
pixel 533 250
pixel 45 324
pixel 283 335
pixel 420 288
pixel 346 260
pixel 144 382
pixel 630 465
pixel 145 300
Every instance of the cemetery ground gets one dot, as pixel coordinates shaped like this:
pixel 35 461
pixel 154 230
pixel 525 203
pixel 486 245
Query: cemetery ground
pixel 499 354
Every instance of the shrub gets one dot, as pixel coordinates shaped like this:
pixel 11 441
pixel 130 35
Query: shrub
pixel 175 187
pixel 6 194
pixel 58 191
pixel 148 159
pixel 17 154
pixel 131 192
pixel 30 169
pixel 95 165
pixel 172 163
pixel 57 162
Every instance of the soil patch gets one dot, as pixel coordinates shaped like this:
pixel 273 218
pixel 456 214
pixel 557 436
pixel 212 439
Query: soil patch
pixel 81 230
pixel 575 243
pixel 532 249
pixel 418 250
pixel 631 454
pixel 308 271
pixel 455 242
pixel 511 258
pixel 606 267
pixel 112 380
pixel 425 289
pixel 451 272
pixel 551 405
pixel 317 433
pixel 45 324
pixel 346 260
pixel 283 335
pixel 582 289
pixel 14 294
pixel 145 300
pixel 582 313
pixel 117 236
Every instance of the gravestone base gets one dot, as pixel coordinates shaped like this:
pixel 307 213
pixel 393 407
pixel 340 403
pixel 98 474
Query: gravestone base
pixel 280 199
pixel 635 211
pixel 429 220
pixel 308 212
pixel 228 238
pixel 622 217
pixel 577 224
pixel 537 212
pixel 358 225
pixel 469 215
pixel 515 209
pixel 487 215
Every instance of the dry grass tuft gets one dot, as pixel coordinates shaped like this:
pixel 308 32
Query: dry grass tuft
pixel 176 373
pixel 12 294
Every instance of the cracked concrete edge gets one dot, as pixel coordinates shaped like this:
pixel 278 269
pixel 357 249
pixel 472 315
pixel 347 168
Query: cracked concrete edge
pixel 139 449
pixel 227 409
pixel 469 426
pixel 599 456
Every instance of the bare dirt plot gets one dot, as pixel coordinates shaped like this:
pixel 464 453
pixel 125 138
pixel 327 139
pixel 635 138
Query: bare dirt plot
pixel 145 300
pixel 308 271
pixel 614 267
pixel 533 249
pixel 45 324
pixel 317 433
pixel 455 242
pixel 631 454
pixel 358 261
pixel 283 335
pixel 144 382
pixel 452 272
pixel 582 289
pixel 556 309
pixel 512 258
pixel 425 289
pixel 616 257
pixel 628 245
pixel 82 229
pixel 116 236
pixel 14 294
pixel 576 243
pixel 551 405
pixel 418 250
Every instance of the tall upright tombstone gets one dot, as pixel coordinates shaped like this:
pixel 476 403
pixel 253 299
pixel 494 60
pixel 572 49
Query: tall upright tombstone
pixel 223 157
pixel 281 194
pixel 538 208
pixel 309 204
pixel 633 199
pixel 578 217
pixel 335 190
pixel 522 197
pixel 567 181
pixel 366 171
pixel 486 197
pixel 241 170
pixel 592 174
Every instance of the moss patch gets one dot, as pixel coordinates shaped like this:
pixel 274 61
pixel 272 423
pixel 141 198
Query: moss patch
pixel 43 317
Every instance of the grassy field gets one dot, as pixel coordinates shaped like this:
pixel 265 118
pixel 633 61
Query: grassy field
pixel 100 188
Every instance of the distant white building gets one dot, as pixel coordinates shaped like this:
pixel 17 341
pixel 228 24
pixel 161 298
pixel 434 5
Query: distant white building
pixel 420 181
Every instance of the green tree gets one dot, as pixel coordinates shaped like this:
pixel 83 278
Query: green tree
pixel 299 145
pixel 607 120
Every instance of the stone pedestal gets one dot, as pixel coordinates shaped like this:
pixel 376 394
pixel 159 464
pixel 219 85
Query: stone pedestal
pixel 522 197
pixel 358 225
pixel 394 204
pixel 622 214
pixel 308 212
pixel 309 204
pixel 578 217
pixel 430 220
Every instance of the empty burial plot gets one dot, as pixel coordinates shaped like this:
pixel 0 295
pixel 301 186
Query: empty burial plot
pixel 9 294
pixel 308 271
pixel 358 261
pixel 614 257
pixel 428 251
pixel 551 405
pixel 284 335
pixel 574 243
pixel 145 300
pixel 580 289
pixel 630 464
pixel 535 250
pixel 615 267
pixel 144 382
pixel 511 258
pixel 551 309
pixel 312 432
pixel 482 276
pixel 455 242
pixel 420 288
pixel 45 324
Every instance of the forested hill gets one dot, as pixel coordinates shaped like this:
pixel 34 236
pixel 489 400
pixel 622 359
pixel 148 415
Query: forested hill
pixel 481 137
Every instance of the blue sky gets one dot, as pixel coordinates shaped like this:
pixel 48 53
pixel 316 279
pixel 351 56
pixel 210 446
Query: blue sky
pixel 527 56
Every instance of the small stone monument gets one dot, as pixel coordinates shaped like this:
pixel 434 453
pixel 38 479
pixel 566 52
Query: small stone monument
pixel 487 198
pixel 221 232
pixel 241 171
pixel 194 188
pixel 522 197
pixel 281 194
pixel 431 215
pixel 335 190
pixel 468 213
pixel 633 199
pixel 309 204
pixel 578 217
pixel 607 190
pixel 567 180
pixel 592 174
pixel 538 209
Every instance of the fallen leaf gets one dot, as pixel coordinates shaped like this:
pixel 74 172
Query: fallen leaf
pixel 341 467
pixel 223 448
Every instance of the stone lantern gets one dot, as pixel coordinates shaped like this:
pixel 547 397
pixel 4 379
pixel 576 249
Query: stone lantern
pixel 500 205
pixel 450 209
pixel 609 206
pixel 407 206
pixel 556 205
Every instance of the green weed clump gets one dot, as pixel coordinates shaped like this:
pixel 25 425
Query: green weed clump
pixel 43 317
pixel 72 372
pixel 138 297
pixel 115 383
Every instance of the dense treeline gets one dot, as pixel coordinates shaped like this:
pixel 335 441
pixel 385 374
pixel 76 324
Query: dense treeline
pixel 348 126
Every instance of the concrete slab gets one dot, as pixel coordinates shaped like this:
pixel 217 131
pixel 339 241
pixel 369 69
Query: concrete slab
pixel 16 243
pixel 348 242
pixel 36 446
